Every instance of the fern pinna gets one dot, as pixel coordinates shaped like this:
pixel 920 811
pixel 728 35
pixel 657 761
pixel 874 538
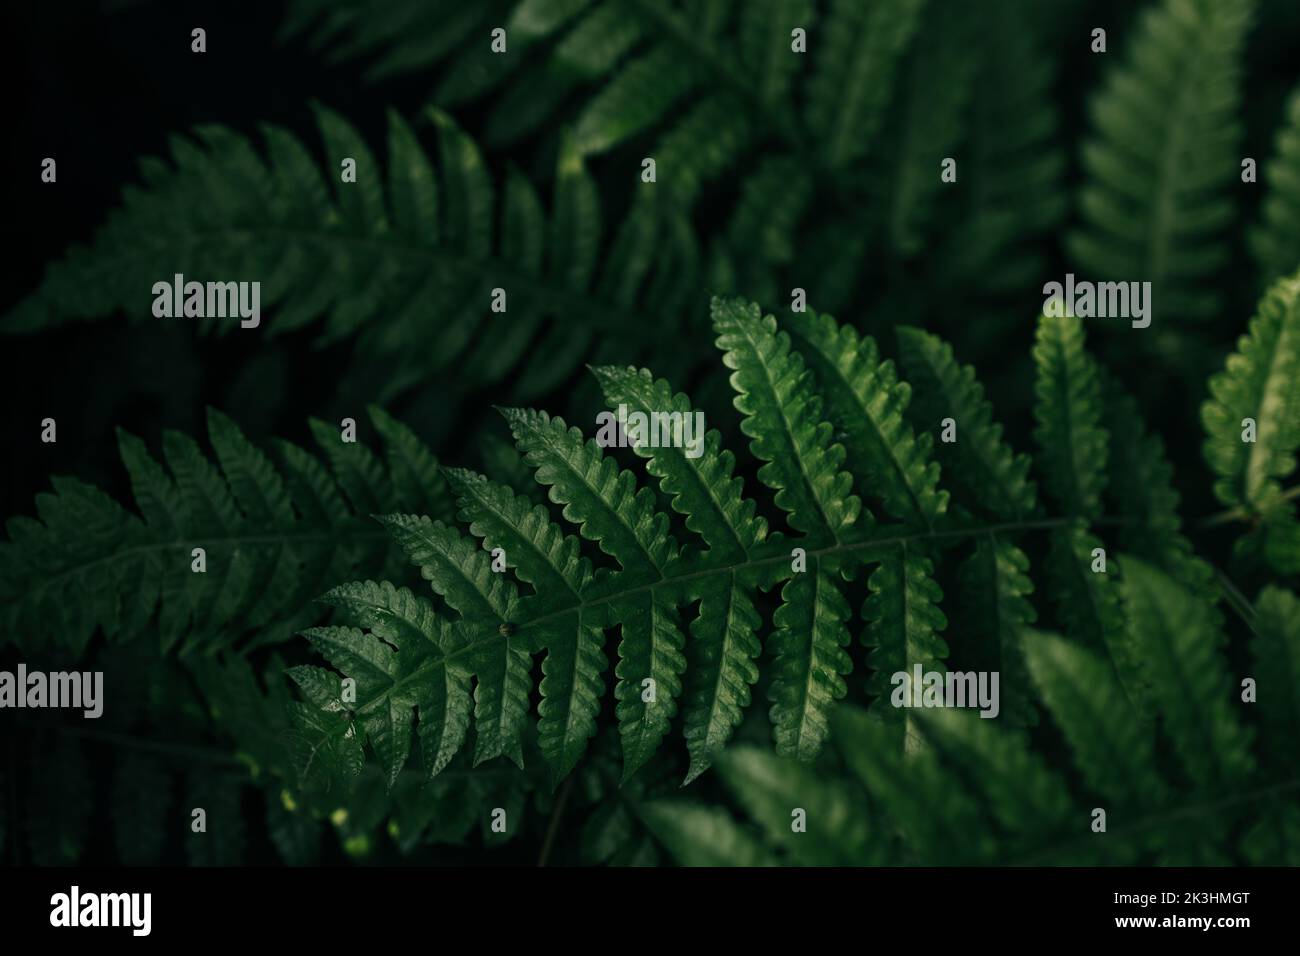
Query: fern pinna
pixel 834 428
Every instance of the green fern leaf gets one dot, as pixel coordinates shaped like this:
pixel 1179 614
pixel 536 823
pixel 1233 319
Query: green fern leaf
pixel 649 675
pixel 539 551
pixel 850 88
pixel 273 536
pixel 699 486
pixel 1275 239
pixel 603 501
pixel 1114 751
pixel 783 421
pixel 1088 606
pixel 1275 651
pixel 1191 683
pixel 811 662
pixel 866 403
pixel 1068 412
pixel 697 835
pixel 571 691
pixel 1258 383
pixel 980 464
pixel 996 586
pixel 1163 156
pixel 721 670
pixel 375 258
pixel 903 624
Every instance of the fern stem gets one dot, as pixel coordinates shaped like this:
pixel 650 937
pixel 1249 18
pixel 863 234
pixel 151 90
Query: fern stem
pixel 553 826
pixel 1236 600
pixel 634 326
pixel 1241 514
pixel 477 644
pixel 208 540
pixel 138 743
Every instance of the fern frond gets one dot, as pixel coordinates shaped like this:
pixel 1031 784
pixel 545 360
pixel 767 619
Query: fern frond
pixel 1113 749
pixel 939 822
pixel 542 591
pixel 769 788
pixel 1187 674
pixel 408 262
pixel 273 536
pixel 927 124
pixel 850 87
pixel 1258 382
pixel 1012 167
pixel 1275 652
pixel 1163 155
pixel 1275 238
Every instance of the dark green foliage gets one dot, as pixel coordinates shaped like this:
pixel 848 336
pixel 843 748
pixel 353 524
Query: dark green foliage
pixel 1163 157
pixel 407 256
pixel 1276 237
pixel 1257 392
pixel 272 533
pixel 605 619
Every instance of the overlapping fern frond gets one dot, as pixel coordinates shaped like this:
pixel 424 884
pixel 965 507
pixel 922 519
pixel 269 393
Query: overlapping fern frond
pixel 272 534
pixel 1212 783
pixel 1275 239
pixel 1163 158
pixel 827 418
pixel 408 257
pixel 1252 427
pixel 976 793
